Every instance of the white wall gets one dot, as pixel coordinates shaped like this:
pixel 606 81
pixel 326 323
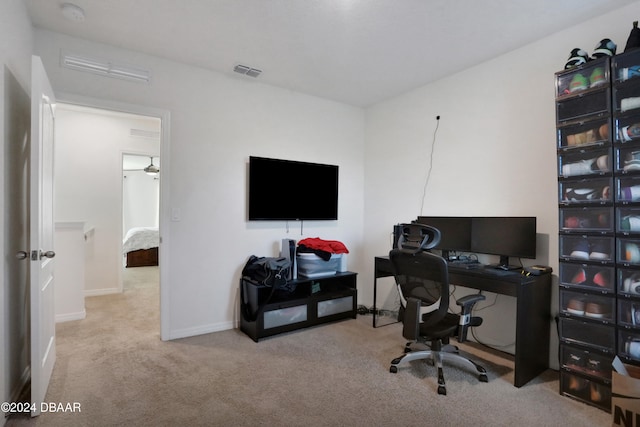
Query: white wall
pixel 16 44
pixel 70 240
pixel 217 122
pixel 88 179
pixel 495 152
pixel 140 200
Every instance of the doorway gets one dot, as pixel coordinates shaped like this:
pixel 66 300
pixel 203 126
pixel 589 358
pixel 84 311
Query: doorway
pixel 93 136
pixel 140 216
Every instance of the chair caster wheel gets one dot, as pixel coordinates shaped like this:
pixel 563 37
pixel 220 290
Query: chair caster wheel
pixel 442 390
pixel 393 369
pixel 483 378
pixel 407 350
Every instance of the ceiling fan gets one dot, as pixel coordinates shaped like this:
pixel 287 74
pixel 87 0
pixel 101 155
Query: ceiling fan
pixel 151 169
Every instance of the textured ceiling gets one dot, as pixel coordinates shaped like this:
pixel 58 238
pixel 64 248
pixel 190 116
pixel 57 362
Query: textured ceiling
pixel 352 51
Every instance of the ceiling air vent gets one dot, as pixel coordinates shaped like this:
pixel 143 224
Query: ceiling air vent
pixel 104 68
pixel 247 71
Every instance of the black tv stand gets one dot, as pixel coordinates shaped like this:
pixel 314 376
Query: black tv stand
pixel 314 301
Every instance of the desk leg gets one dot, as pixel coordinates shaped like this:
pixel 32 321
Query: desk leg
pixel 533 322
pixel 375 295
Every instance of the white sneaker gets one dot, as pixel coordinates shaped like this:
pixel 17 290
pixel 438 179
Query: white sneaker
pixel 586 167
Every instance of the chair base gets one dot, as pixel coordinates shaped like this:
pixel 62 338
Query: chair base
pixel 436 358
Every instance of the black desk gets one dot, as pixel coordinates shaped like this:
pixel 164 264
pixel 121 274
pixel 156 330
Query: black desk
pixel 533 310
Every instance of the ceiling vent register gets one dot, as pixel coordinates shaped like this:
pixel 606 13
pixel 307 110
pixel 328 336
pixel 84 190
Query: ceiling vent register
pixel 247 71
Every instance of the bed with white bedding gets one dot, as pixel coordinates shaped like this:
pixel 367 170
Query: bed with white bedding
pixel 140 246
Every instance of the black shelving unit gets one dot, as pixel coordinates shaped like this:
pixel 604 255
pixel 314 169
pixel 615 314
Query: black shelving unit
pixel 598 137
pixel 625 70
pixel 315 301
pixel 587 294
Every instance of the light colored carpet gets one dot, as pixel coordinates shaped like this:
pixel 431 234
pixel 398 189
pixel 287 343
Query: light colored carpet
pixel 114 364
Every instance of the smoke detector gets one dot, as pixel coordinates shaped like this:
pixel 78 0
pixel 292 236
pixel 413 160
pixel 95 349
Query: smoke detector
pixel 72 12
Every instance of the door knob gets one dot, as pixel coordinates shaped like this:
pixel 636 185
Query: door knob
pixel 22 255
pixel 47 254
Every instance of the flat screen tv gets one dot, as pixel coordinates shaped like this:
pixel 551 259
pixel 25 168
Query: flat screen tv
pixel 292 190
pixel 504 236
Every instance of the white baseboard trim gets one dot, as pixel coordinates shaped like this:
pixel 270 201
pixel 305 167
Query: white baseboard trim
pixel 199 330
pixel 99 292
pixel 67 317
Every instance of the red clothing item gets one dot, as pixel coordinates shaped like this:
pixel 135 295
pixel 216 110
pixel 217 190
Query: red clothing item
pixel 331 246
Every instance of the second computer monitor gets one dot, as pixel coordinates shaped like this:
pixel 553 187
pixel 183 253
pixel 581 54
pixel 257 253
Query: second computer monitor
pixel 505 237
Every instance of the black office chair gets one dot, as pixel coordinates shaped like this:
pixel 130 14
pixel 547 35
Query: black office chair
pixel 422 279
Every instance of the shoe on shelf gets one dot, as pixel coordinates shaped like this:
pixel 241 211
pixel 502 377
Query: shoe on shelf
pixel 632 284
pixel 601 279
pixel 632 253
pixel 581 250
pixel 630 223
pixel 576 57
pixel 631 193
pixel 595 366
pixel 596 310
pixel 586 194
pixel 630 103
pixel 596 394
pixel 605 47
pixel 579 82
pixel 599 251
pixel 629 72
pixel 575 361
pixel 576 306
pixel 597 77
pixel 586 167
pixel 579 278
pixel 628 133
pixel 576 222
pixel 576 383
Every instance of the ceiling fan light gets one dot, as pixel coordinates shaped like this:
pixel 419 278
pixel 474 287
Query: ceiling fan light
pixel 151 170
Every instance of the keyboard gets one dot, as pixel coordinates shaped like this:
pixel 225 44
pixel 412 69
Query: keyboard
pixel 465 263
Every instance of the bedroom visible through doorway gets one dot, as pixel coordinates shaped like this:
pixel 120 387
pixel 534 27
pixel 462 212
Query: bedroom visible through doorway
pixel 140 209
pixel 92 143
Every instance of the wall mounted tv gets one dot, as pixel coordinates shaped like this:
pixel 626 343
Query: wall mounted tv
pixel 291 190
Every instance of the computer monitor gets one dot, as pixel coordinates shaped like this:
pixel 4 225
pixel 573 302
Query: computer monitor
pixel 455 232
pixel 505 237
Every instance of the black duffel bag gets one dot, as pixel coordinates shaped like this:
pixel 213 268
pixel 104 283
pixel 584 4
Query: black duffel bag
pixel 270 272
pixel 267 271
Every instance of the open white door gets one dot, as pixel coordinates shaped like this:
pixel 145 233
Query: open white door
pixel 43 334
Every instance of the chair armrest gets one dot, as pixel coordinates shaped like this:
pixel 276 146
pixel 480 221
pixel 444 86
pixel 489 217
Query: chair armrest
pixel 411 319
pixel 466 303
pixel 470 300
